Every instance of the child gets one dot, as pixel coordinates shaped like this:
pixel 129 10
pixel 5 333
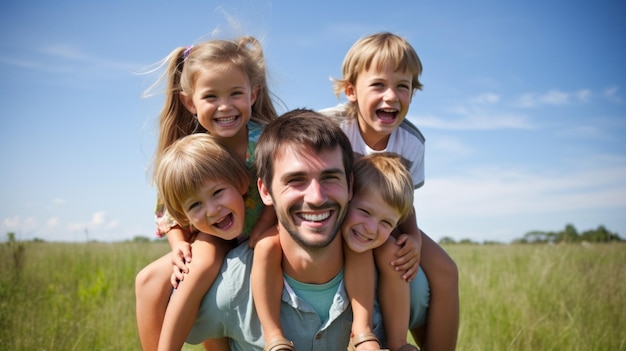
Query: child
pixel 203 186
pixel 218 87
pixel 382 198
pixel 380 76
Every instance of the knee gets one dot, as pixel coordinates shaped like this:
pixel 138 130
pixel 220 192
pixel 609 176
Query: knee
pixel 144 279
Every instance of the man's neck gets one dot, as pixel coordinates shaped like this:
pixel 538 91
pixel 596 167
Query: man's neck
pixel 315 266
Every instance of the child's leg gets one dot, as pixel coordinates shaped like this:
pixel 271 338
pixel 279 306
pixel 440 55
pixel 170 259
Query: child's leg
pixel 267 286
pixel 208 255
pixel 442 323
pixel 359 272
pixel 221 344
pixel 152 292
pixel 393 295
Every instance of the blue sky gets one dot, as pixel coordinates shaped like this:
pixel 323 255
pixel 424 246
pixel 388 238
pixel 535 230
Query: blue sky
pixel 523 107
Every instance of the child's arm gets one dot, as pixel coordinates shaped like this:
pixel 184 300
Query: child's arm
pixel 185 301
pixel 267 284
pixel 180 255
pixel 394 296
pixel 266 220
pixel 442 323
pixel 178 239
pixel 359 273
pixel 409 238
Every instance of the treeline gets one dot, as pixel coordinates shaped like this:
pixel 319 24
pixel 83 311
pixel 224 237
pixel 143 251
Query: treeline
pixel 567 235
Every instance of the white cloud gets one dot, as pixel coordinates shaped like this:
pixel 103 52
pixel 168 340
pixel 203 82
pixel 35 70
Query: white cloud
pixel 553 97
pixel 52 222
pixel 11 223
pixel 487 98
pixel 612 94
pixel 59 201
pixel 97 218
pixel 475 120
pixel 494 192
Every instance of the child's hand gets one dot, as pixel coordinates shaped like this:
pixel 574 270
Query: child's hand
pixel 408 255
pixel 181 255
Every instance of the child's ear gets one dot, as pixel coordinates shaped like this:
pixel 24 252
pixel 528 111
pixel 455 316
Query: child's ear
pixel 264 192
pixel 254 94
pixel 350 92
pixel 187 102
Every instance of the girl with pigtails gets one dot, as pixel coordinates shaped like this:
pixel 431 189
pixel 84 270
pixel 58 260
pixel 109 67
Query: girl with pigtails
pixel 217 87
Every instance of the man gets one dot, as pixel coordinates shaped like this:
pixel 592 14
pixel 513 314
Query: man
pixel 305 166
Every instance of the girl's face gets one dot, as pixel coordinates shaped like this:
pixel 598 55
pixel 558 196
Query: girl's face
pixel 369 222
pixel 217 209
pixel 383 99
pixel 222 100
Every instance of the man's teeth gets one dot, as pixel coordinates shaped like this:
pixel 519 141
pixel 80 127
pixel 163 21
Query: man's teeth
pixel 315 217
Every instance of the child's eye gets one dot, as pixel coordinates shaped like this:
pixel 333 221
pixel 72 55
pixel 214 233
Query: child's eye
pixel 193 205
pixel 364 211
pixel 218 192
pixel 388 224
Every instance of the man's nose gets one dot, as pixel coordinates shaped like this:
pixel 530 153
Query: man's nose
pixel 315 193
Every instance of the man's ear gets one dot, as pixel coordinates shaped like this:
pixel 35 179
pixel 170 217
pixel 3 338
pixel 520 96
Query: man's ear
pixel 350 92
pixel 265 193
pixel 187 102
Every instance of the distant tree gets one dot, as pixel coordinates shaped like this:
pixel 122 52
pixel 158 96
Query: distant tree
pixel 467 241
pixel 569 235
pixel 536 236
pixel 446 240
pixel 141 239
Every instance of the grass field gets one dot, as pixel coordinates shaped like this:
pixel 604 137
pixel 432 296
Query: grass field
pixel 57 296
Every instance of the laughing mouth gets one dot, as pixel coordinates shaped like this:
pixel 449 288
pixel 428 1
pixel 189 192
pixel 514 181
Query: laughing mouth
pixel 387 114
pixel 225 223
pixel 226 120
pixel 361 237
pixel 315 217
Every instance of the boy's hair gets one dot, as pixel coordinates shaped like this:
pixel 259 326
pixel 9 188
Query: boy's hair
pixel 386 176
pixel 183 67
pixel 188 163
pixel 299 129
pixel 378 49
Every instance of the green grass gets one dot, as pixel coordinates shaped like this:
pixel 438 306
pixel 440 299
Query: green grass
pixel 524 297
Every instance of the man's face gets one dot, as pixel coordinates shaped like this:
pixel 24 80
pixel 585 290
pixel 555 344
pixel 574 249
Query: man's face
pixel 310 193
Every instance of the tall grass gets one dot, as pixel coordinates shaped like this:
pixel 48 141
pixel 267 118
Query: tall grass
pixel 526 297
pixel 542 297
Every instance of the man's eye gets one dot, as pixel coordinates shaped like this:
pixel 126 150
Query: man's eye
pixel 295 180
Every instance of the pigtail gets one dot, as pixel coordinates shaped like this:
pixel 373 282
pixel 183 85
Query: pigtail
pixel 175 121
pixel 263 110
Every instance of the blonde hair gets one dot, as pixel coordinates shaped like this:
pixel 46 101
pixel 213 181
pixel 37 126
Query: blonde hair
pixel 378 49
pixel 188 163
pixel 183 67
pixel 385 175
